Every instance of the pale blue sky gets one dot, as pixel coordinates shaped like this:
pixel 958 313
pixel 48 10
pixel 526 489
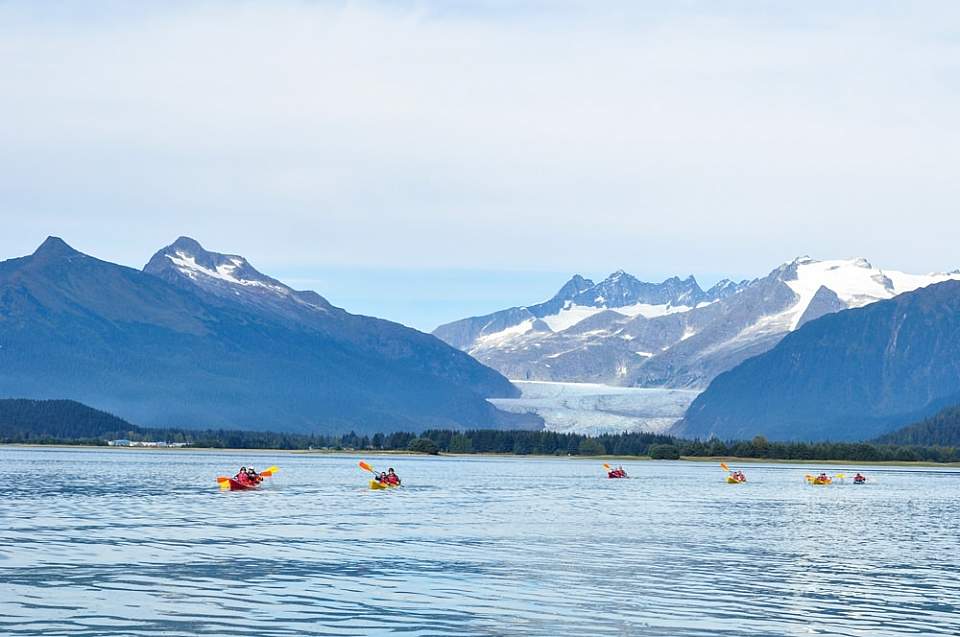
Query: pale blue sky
pixel 494 146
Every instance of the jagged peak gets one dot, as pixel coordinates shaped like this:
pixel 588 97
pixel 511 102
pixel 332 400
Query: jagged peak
pixel 54 247
pixel 186 260
pixel 573 287
pixel 188 257
pixel 186 243
pixel 620 274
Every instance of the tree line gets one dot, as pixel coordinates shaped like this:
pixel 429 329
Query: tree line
pixel 487 441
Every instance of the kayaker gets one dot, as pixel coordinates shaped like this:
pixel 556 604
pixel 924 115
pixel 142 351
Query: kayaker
pixel 859 479
pixel 382 478
pixel 392 477
pixel 242 477
pixel 253 476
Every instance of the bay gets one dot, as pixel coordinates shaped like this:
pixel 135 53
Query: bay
pixel 142 542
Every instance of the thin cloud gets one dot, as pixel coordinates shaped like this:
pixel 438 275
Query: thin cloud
pixel 558 136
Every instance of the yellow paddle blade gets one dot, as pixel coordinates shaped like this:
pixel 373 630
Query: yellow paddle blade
pixel 723 465
pixel 269 471
pixel 840 476
pixel 607 467
pixel 224 483
pixel 222 479
pixel 366 467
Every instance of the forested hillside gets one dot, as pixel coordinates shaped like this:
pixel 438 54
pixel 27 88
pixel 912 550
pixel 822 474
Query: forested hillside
pixel 942 429
pixel 23 420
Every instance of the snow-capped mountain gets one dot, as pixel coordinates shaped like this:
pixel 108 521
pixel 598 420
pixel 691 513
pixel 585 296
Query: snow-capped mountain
pixel 851 375
pixel 230 277
pixel 618 296
pixel 626 332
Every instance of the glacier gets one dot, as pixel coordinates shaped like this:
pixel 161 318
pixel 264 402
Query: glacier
pixel 593 409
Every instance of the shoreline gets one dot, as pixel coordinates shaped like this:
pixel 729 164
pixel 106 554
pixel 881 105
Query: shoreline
pixel 398 452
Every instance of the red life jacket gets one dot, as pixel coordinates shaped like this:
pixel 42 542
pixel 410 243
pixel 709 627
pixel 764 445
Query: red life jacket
pixel 393 478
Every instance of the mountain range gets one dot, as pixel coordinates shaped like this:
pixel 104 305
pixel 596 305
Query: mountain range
pixel 623 331
pixel 202 339
pixel 852 375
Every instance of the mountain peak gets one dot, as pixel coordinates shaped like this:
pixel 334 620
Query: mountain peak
pixel 573 287
pixel 187 263
pixel 187 243
pixel 188 258
pixel 620 274
pixel 54 247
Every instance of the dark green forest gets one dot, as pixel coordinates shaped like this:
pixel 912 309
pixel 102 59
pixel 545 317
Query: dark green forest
pixel 941 429
pixel 69 422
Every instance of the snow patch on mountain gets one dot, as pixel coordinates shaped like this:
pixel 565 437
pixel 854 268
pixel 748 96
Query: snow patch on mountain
pixel 187 264
pixel 505 336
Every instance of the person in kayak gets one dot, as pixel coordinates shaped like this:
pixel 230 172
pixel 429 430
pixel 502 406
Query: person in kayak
pixel 382 478
pixel 253 476
pixel 392 477
pixel 739 476
pixel 241 476
pixel 859 478
pixel 823 478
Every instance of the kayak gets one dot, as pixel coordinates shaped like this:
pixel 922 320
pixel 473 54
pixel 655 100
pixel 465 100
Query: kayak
pixel 231 484
pixel 376 485
pixel 618 477
pixel 732 480
pixel 818 482
pixel 240 486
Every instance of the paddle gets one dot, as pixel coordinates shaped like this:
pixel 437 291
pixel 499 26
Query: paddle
pixel 723 465
pixel 366 467
pixel 269 471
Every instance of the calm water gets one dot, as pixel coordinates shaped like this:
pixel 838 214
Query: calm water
pixel 142 543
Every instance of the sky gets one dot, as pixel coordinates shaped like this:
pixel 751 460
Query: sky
pixel 424 161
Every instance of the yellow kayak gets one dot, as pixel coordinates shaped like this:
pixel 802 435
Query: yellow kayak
pixel 732 480
pixel 377 485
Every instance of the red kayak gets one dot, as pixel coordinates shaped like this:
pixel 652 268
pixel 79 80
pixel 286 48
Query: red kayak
pixel 230 484
pixel 240 486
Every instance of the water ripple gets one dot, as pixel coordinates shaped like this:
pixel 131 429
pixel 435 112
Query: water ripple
pixel 473 546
